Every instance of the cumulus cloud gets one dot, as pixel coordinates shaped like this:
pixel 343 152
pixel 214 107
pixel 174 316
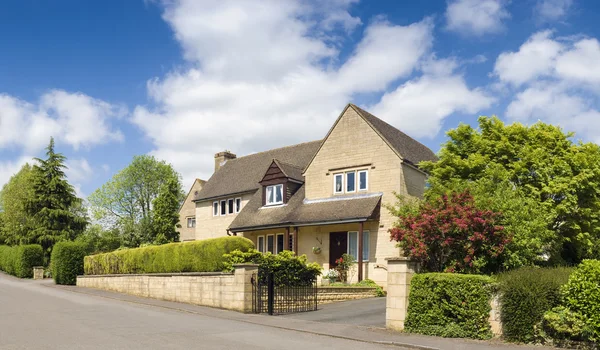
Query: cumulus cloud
pixel 74 119
pixel 551 10
pixel 558 82
pixel 476 17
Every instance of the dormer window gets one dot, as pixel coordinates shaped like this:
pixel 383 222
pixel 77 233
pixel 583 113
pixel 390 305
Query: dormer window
pixel 274 194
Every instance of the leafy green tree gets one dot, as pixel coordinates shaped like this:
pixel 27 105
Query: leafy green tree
pixel 126 201
pixel 13 200
pixel 166 213
pixel 98 240
pixel 54 209
pixel 543 175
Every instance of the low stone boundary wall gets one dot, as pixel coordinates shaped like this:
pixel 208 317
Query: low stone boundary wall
pixel 231 291
pixel 333 294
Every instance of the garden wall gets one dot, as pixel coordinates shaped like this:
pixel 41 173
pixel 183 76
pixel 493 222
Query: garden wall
pixel 231 291
pixel 334 294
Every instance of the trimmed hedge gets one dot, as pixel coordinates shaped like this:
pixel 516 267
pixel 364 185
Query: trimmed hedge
pixel 526 294
pixel 578 317
pixel 450 305
pixel 197 256
pixel 20 260
pixel 67 261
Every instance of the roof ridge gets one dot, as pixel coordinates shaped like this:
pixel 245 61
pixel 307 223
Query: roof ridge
pixel 360 110
pixel 276 149
pixel 286 163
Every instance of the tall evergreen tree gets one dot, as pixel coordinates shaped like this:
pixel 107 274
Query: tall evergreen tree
pixel 166 216
pixel 54 206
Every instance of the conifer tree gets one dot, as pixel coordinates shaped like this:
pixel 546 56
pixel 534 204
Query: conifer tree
pixel 166 216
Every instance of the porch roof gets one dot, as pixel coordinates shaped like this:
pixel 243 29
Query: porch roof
pixel 302 212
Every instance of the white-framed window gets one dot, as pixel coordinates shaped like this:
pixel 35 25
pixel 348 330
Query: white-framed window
pixel 230 207
pixel 274 194
pixel 338 183
pixel 215 208
pixel 363 180
pixel 280 243
pixel 223 207
pixel 191 222
pixel 270 246
pixel 260 243
pixel 351 181
pixel 353 245
pixel 238 205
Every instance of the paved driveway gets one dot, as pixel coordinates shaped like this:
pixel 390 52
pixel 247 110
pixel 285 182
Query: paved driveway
pixel 363 312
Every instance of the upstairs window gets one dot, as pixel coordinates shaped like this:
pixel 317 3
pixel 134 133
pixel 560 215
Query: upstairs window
pixel 191 222
pixel 338 183
pixel 230 206
pixel 215 208
pixel 351 181
pixel 362 180
pixel 238 205
pixel 274 194
pixel 223 207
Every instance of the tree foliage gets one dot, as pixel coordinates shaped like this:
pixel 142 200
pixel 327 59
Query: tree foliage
pixel 549 176
pixel 13 200
pixel 126 201
pixel 166 216
pixel 54 209
pixel 450 234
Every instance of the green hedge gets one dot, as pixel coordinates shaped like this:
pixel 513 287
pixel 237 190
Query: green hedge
pixel 20 260
pixel 197 256
pixel 578 317
pixel 526 294
pixel 450 305
pixel 67 261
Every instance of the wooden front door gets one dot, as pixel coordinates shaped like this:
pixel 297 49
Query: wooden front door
pixel 338 245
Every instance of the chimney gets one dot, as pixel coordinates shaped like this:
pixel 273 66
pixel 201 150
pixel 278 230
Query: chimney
pixel 221 158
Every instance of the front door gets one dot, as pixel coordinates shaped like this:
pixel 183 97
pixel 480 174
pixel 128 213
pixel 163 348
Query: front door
pixel 338 245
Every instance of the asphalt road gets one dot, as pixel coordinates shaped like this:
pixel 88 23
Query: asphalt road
pixel 364 312
pixel 34 316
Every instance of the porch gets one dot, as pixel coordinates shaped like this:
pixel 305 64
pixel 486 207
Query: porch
pixel 325 243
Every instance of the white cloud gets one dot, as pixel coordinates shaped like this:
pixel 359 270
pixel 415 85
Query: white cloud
pixel 536 57
pixel 268 74
pixel 78 170
pixel 556 104
pixel 581 63
pixel 419 106
pixel 552 10
pixel 476 17
pixel 72 118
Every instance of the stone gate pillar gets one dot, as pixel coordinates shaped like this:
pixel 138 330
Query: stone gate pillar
pixel 399 271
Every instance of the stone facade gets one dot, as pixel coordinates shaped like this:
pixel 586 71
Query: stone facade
pixel 210 226
pixel 231 291
pixel 188 210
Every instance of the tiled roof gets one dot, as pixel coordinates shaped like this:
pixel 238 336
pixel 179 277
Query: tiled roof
pixel 410 149
pixel 299 211
pixel 243 174
pixel 291 171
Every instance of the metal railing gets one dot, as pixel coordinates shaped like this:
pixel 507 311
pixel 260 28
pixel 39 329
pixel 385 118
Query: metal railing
pixel 277 300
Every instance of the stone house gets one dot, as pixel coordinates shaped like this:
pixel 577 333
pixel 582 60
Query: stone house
pixel 187 213
pixel 322 198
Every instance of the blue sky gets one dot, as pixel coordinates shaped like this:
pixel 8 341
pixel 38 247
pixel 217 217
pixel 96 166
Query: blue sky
pixel 183 80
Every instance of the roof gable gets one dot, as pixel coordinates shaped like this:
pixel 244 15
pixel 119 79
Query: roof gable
pixel 407 148
pixel 243 174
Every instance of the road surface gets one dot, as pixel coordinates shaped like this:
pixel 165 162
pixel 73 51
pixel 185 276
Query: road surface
pixel 34 315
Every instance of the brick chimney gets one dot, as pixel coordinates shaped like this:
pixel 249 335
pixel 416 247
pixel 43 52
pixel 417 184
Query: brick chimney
pixel 221 158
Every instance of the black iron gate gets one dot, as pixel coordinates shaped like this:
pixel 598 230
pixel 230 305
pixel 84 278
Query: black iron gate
pixel 282 299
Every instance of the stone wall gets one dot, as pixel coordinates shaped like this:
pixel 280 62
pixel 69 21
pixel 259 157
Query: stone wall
pixel 333 294
pixel 231 291
pixel 188 210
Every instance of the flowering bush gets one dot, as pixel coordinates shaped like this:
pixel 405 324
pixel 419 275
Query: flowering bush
pixel 331 275
pixel 343 266
pixel 449 233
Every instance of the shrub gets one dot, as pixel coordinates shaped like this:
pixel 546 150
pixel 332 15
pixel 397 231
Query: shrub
pixel 581 302
pixel 526 294
pixel 287 268
pixel 450 305
pixel 67 261
pixel 198 256
pixel 20 260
